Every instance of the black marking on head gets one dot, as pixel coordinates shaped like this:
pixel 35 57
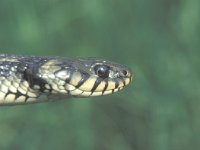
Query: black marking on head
pixel 123 81
pixel 70 76
pixel 30 75
pixel 106 86
pixel 116 83
pixel 84 77
pixel 96 84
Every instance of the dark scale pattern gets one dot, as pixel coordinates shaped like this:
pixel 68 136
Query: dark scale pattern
pixel 116 83
pixel 17 95
pixel 42 75
pixel 19 63
pixel 96 84
pixel 24 67
pixel 7 68
pixel 106 86
pixel 84 77
pixel 30 75
pixel 29 67
pixel 70 76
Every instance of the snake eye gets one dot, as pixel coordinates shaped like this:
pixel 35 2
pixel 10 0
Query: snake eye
pixel 102 71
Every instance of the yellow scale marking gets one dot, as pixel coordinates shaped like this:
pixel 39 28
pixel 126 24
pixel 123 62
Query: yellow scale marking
pixel 23 87
pixel 2 96
pixel 30 94
pixel 20 99
pixel 111 85
pixel 9 98
pixel 69 87
pixel 47 86
pixel 76 92
pixel 86 94
pixel 107 92
pixel 6 82
pixel 127 80
pixel 76 77
pixel 3 88
pixel 30 99
pixel 88 84
pixel 61 87
pixel 96 93
pixel 55 87
pixel 13 89
pixel 15 84
pixel 100 87
pixel 21 90
pixel 62 75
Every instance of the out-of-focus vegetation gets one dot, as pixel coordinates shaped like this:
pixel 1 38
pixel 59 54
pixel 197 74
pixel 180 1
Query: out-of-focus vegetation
pixel 158 39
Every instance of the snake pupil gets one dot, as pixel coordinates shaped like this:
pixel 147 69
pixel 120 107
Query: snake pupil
pixel 102 71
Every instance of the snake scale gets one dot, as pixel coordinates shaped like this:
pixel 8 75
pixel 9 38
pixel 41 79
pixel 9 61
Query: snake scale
pixel 31 79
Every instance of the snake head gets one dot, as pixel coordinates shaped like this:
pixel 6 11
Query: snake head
pixel 85 76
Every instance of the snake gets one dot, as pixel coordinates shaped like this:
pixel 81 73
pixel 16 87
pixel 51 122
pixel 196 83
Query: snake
pixel 32 79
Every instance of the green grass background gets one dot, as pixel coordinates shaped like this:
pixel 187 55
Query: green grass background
pixel 158 39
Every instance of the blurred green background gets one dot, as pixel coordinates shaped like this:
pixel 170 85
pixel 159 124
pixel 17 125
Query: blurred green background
pixel 158 39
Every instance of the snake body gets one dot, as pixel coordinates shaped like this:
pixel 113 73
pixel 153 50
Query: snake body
pixel 30 79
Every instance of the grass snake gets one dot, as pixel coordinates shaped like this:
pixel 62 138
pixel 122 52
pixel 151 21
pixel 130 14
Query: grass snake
pixel 30 79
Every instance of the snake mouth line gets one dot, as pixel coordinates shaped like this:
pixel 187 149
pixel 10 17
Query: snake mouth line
pixel 108 88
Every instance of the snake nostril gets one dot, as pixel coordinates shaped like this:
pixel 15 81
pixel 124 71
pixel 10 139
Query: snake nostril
pixel 125 73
